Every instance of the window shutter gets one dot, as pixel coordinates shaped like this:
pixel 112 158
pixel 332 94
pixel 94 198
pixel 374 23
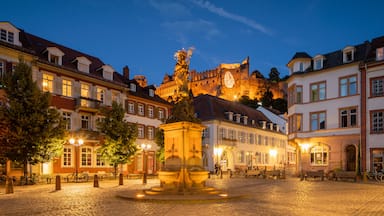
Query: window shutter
pixel 155 112
pixel 136 108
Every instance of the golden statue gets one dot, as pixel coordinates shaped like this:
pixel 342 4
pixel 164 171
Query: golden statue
pixel 181 73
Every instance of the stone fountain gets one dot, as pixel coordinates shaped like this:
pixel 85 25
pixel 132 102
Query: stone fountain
pixel 183 171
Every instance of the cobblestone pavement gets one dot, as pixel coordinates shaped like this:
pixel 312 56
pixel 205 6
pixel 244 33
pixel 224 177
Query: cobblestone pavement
pixel 260 197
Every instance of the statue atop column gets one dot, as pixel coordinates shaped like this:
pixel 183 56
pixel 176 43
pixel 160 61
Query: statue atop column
pixel 181 73
pixel 183 108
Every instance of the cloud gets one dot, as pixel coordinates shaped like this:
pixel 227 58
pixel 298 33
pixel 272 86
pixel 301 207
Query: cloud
pixel 221 12
pixel 195 28
pixel 170 9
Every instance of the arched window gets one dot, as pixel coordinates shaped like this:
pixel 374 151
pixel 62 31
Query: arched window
pixel 319 155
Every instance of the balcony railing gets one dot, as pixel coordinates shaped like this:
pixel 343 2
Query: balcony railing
pixel 228 142
pixel 87 104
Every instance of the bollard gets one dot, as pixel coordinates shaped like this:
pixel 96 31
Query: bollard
pixel 96 181
pixel 9 186
pixel 365 176
pixel 121 179
pixel 58 182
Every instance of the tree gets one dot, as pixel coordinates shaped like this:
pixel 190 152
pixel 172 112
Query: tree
pixel 280 104
pixel 267 98
pixel 274 75
pixel 248 102
pixel 159 140
pixel 120 136
pixel 33 132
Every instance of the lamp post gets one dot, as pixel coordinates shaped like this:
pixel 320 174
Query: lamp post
pixel 76 143
pixel 145 147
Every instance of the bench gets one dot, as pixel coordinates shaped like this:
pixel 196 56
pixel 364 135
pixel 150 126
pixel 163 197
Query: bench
pixel 314 174
pixel 345 175
pixel 255 173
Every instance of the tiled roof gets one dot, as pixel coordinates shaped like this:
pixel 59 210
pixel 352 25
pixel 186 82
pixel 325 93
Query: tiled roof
pixel 376 43
pixel 209 107
pixel 143 92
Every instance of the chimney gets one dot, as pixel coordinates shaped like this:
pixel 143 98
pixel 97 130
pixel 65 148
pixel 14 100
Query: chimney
pixel 126 72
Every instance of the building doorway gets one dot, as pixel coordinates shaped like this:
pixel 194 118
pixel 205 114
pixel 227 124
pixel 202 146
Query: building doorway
pixel 351 158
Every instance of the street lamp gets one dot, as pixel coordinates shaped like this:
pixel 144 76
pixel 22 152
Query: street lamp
pixel 76 143
pixel 145 147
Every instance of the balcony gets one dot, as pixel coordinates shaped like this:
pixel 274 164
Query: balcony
pixel 87 104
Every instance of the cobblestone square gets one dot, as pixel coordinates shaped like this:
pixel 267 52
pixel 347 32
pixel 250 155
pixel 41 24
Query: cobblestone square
pixel 256 197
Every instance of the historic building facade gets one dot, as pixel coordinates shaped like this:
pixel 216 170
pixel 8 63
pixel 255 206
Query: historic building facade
pixel 335 108
pixel 239 137
pixel 80 84
pixel 227 81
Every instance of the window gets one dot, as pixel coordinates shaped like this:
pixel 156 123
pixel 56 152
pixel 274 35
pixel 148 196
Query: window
pixel 161 114
pixel 151 134
pixel 348 117
pixel 132 86
pixel 140 132
pixel 140 109
pixel 6 36
pixel 377 87
pixel 205 133
pixel 318 91
pixel 150 111
pixel 319 155
pixel 54 59
pixel 318 64
pixel 67 88
pixel 84 92
pixel 47 83
pixel 151 93
pixel 240 157
pixel 348 86
pixel 377 121
pixel 242 136
pixel 100 161
pixel 85 122
pixel 131 107
pixel 2 69
pixel 86 156
pixel 259 139
pixel 67 157
pixel 318 121
pixel 251 138
pixel 100 94
pixel 116 97
pixel 301 67
pixel 67 119
pixel 380 54
pixel 295 95
pixel 295 123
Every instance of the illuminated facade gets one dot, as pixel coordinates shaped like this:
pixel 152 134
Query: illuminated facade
pixel 227 81
pixel 80 84
pixel 334 111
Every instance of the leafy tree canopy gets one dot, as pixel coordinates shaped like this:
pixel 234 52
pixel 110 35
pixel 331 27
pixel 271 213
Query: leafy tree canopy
pixel 120 136
pixel 274 75
pixel 33 132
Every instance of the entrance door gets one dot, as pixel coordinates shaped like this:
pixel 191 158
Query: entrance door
pixel 351 158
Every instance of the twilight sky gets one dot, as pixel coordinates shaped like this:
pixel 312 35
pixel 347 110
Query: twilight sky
pixel 145 34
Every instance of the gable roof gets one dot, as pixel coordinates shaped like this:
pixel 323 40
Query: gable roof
pixel 209 107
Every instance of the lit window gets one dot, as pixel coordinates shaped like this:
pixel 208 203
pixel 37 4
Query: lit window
pixel 116 97
pixel 47 83
pixel 377 87
pixel 100 161
pixel 377 121
pixel 100 95
pixel 318 91
pixel 67 120
pixel 348 86
pixel 86 157
pixel 380 54
pixel 318 121
pixel 67 88
pixel 240 157
pixel 67 157
pixel 84 92
pixel 348 117
pixel 319 155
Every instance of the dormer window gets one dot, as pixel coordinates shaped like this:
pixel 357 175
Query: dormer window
pixel 348 54
pixel 132 87
pixel 245 120
pixel 9 33
pixel 380 54
pixel 301 67
pixel 107 72
pixel 238 116
pixel 83 64
pixel 151 93
pixel 230 116
pixel 318 62
pixel 6 36
pixel 55 55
